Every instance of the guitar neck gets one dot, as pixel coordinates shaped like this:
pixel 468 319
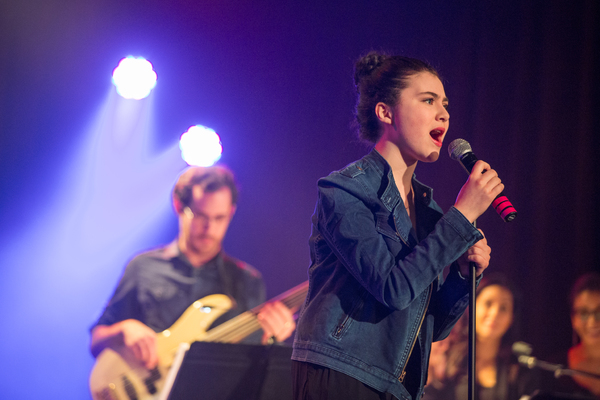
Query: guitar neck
pixel 242 326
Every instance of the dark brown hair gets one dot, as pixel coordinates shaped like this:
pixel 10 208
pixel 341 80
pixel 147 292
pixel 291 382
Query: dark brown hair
pixel 210 179
pixel 587 282
pixel 380 78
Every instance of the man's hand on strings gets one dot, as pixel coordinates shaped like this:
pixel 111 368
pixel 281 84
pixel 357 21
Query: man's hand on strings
pixel 277 322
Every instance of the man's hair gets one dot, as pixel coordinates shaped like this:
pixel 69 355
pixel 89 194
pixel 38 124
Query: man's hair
pixel 210 179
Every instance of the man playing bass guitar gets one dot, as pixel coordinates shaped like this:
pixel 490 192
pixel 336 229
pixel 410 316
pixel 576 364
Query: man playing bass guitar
pixel 159 285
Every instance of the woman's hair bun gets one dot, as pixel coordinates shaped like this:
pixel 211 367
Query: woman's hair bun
pixel 367 64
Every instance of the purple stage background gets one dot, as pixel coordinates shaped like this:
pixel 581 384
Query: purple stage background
pixel 86 176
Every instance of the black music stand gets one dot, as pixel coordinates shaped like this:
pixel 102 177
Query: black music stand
pixel 540 395
pixel 222 371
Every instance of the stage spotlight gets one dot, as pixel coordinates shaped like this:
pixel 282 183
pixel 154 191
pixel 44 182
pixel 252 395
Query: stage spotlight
pixel 134 78
pixel 200 146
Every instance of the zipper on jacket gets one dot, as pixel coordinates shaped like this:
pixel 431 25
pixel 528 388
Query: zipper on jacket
pixel 403 373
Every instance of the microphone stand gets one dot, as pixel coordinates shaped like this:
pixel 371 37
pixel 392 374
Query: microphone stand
pixel 472 333
pixel 557 369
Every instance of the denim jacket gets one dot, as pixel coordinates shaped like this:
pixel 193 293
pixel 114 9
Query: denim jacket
pixel 375 283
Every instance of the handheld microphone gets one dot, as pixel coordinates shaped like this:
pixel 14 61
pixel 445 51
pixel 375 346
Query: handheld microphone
pixel 460 150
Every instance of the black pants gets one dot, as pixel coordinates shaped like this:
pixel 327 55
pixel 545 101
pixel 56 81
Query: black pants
pixel 314 382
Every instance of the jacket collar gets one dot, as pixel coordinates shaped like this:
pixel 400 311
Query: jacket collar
pixel 389 194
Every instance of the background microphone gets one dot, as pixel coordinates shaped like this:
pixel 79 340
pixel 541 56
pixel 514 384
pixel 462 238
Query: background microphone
pixel 523 352
pixel 460 150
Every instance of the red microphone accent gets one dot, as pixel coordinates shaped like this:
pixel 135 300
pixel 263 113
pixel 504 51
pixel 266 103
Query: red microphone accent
pixel 460 150
pixel 504 208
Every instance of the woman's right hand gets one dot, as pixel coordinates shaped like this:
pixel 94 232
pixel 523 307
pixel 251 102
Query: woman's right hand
pixel 479 191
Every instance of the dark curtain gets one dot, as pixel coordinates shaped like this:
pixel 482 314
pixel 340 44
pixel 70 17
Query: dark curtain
pixel 531 98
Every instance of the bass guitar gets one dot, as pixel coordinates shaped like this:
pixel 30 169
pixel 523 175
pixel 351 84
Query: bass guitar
pixel 118 374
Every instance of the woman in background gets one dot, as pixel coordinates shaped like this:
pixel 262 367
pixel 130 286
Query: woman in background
pixel 585 319
pixel 584 355
pixel 498 375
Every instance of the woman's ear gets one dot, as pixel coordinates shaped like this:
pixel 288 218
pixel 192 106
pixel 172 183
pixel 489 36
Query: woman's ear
pixel 384 113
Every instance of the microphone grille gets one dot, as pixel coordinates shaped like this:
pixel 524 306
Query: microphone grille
pixel 458 148
pixel 521 348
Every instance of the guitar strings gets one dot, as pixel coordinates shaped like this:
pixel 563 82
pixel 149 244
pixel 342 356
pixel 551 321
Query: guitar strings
pixel 236 329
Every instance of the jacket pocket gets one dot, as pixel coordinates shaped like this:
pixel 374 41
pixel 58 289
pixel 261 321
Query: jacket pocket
pixel 345 322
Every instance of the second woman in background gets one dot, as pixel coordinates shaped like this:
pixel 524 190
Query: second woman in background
pixel 498 375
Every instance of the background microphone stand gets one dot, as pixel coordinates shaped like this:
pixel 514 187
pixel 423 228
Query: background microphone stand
pixel 523 351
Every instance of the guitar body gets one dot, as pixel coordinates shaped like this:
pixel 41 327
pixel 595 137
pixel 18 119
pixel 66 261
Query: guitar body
pixel 117 374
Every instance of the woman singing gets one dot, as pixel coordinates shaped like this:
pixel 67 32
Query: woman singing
pixel 379 244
